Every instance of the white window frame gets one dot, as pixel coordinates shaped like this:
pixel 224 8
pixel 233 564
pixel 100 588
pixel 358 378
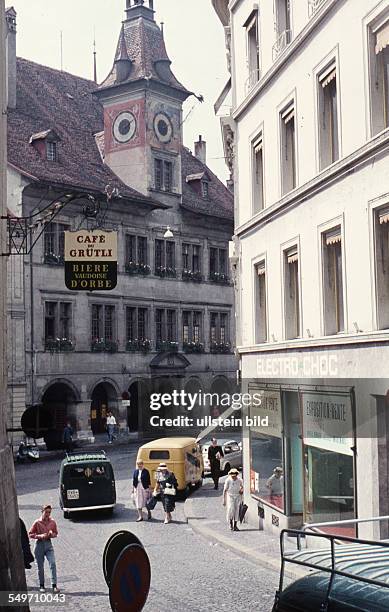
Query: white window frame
pixel 284 248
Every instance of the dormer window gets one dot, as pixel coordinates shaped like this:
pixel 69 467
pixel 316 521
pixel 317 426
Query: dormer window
pixel 199 183
pixel 205 189
pixel 51 151
pixel 46 144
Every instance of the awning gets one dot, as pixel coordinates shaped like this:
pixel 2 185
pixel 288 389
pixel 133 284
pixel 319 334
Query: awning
pixel 292 255
pixel 222 96
pixel 382 38
pixel 383 216
pixel 257 146
pixel 288 114
pixel 261 268
pixel 334 236
pixel 328 75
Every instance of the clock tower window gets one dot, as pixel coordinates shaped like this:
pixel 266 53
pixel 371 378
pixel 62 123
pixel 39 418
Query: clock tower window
pixel 163 175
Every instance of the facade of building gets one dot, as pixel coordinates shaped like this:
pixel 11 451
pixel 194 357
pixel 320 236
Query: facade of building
pixel 169 322
pixel 12 576
pixel 309 113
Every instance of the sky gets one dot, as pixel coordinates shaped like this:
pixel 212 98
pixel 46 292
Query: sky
pixel 194 39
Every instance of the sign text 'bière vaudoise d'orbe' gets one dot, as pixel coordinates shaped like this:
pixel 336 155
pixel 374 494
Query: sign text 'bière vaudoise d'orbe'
pixel 90 260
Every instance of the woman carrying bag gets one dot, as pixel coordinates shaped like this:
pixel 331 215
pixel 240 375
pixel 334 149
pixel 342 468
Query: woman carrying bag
pixel 141 489
pixel 167 488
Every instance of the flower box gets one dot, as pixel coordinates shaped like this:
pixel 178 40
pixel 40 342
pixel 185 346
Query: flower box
pixel 217 277
pixel 104 346
pixel 59 345
pixel 220 347
pixel 53 259
pixel 137 345
pixel 137 268
pixel 165 272
pixel 190 275
pixel 193 347
pixel 166 345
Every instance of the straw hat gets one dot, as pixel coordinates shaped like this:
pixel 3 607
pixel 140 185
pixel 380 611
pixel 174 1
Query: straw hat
pixel 233 471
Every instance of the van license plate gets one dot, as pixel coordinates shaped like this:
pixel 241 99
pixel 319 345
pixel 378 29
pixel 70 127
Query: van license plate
pixel 73 494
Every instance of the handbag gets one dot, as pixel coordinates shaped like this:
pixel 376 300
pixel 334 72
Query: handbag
pixel 152 502
pixel 169 490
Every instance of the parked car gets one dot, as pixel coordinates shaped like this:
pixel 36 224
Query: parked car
pixel 233 456
pixel 86 482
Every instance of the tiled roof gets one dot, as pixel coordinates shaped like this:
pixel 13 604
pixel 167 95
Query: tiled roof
pixel 49 99
pixel 141 41
pixel 220 201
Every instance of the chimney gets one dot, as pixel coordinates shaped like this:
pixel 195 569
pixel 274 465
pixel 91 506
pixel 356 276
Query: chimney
pixel 201 150
pixel 10 15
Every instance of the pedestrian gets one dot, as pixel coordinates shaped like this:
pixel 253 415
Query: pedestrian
pixel 43 531
pixel 276 485
pixel 232 496
pixel 141 489
pixel 28 557
pixel 215 453
pixel 166 486
pixel 111 424
pixel 67 437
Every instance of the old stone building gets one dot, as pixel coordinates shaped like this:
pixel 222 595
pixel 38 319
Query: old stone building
pixel 170 319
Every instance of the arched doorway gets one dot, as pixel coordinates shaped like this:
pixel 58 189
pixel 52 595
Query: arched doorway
pixel 57 401
pixel 104 398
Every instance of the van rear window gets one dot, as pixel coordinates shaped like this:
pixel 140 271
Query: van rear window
pixel 88 471
pixel 159 454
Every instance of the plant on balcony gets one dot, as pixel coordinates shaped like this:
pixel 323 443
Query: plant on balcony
pixel 193 347
pixel 99 345
pixel 137 268
pixel 54 259
pixel 59 345
pixel 165 272
pixel 220 347
pixel 217 277
pixel 167 345
pixel 190 275
pixel 143 345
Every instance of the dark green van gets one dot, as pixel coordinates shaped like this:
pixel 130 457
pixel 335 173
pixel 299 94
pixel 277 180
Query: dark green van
pixel 86 482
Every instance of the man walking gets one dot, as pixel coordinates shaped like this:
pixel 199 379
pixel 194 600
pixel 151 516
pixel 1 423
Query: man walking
pixel 111 424
pixel 67 437
pixel 43 531
pixel 215 453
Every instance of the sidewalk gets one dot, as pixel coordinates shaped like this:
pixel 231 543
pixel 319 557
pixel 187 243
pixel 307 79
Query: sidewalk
pixel 206 515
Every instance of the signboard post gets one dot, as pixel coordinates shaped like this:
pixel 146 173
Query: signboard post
pixel 90 260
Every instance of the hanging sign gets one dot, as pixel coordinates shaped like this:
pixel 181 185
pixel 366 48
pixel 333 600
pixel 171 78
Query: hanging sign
pixel 90 260
pixel 328 422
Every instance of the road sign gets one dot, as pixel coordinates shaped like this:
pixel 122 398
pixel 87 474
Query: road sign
pixel 90 260
pixel 131 578
pixel 116 543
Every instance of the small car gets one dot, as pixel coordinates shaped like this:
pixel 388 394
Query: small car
pixel 181 455
pixel 233 456
pixel 86 482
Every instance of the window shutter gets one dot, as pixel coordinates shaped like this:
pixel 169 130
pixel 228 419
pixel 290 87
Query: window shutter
pixel 261 268
pixel 328 75
pixel 288 114
pixel 383 216
pixel 334 236
pixel 292 255
pixel 382 38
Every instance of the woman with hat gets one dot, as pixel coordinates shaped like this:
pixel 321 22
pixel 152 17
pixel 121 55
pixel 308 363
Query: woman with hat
pixel 167 488
pixel 276 485
pixel 232 496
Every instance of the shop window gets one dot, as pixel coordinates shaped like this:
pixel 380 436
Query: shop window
pixel 328 117
pixel 288 149
pixel 381 223
pixel 260 303
pixel 294 450
pixel 379 77
pixel 266 451
pixel 54 243
pixel 258 189
pixel 292 294
pixel 333 282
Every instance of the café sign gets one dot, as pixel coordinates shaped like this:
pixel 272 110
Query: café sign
pixel 90 260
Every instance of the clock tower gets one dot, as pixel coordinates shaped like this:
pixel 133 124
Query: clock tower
pixel 142 101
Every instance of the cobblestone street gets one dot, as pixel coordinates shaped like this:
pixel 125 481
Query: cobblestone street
pixel 187 570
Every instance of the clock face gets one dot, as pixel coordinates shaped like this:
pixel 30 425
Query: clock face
pixel 124 127
pixel 163 127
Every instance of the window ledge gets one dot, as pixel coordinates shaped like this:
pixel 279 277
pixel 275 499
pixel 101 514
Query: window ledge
pixel 322 341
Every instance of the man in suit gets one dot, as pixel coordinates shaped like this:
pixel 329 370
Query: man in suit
pixel 215 453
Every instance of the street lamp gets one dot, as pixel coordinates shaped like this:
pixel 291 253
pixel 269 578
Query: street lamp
pixel 168 233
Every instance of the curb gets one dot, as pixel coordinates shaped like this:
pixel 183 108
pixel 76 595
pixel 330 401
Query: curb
pixel 259 558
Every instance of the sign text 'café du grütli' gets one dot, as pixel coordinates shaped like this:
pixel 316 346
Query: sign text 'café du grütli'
pixel 90 260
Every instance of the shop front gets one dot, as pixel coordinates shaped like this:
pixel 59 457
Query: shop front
pixel 302 463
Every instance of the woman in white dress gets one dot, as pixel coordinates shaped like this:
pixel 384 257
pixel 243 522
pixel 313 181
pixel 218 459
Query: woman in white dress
pixel 232 496
pixel 141 489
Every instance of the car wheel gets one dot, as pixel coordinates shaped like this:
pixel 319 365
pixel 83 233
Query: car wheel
pixel 66 515
pixel 227 468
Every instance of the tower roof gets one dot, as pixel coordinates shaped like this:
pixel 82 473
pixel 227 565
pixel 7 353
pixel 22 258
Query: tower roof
pixel 141 45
